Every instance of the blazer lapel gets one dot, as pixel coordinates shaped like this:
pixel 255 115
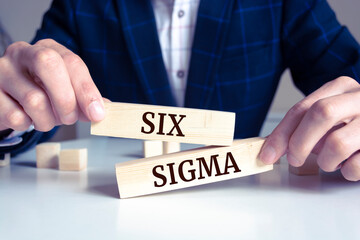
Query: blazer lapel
pixel 139 27
pixel 211 29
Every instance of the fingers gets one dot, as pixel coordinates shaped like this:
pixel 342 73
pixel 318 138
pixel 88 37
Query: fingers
pixel 339 146
pixel 277 144
pixel 11 114
pixel 46 68
pixel 326 122
pixel 318 120
pixel 351 168
pixel 22 96
pixel 87 95
pixel 106 100
pixel 34 101
pixel 22 101
pixel 49 84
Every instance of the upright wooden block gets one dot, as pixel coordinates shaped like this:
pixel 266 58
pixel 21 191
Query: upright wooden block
pixel 190 168
pixel 152 148
pixel 73 159
pixel 47 155
pixel 172 124
pixel 5 161
pixel 171 147
pixel 310 167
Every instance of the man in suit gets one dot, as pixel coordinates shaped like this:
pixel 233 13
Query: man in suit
pixel 234 54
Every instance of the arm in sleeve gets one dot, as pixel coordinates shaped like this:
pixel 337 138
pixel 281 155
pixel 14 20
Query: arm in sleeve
pixel 316 48
pixel 29 140
pixel 58 24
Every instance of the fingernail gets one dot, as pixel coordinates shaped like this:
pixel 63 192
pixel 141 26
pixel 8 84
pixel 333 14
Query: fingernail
pixel 293 161
pixel 96 111
pixel 268 154
pixel 70 118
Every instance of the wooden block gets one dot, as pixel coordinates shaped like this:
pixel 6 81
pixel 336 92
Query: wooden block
pixel 172 124
pixel 152 148
pixel 47 155
pixel 6 161
pixel 310 167
pixel 73 159
pixel 190 168
pixel 171 147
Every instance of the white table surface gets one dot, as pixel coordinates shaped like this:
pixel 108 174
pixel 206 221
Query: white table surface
pixel 51 204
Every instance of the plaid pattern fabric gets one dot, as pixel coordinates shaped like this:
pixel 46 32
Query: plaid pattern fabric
pixel 240 50
pixel 175 21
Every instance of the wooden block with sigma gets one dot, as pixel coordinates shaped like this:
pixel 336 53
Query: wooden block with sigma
pixel 190 168
pixel 171 124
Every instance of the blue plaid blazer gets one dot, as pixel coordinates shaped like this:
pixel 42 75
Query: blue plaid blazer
pixel 240 50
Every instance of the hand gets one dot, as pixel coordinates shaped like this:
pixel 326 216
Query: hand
pixel 45 84
pixel 326 123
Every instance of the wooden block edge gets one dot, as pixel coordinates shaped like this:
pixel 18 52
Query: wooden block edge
pixel 205 151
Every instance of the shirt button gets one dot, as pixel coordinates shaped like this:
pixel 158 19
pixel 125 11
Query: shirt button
pixel 180 74
pixel 181 13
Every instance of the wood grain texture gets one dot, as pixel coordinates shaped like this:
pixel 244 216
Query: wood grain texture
pixel 197 126
pixel 73 159
pixel 152 148
pixel 47 155
pixel 190 168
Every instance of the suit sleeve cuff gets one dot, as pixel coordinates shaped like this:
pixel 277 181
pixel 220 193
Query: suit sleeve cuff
pixel 29 140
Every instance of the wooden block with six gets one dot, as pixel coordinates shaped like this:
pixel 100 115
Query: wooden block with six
pixel 190 168
pixel 174 124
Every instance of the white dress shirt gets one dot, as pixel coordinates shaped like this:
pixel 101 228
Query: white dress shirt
pixel 175 21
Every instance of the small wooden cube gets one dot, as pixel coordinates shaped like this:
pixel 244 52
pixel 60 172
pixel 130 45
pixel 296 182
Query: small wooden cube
pixel 171 147
pixel 310 167
pixel 6 161
pixel 152 148
pixel 73 159
pixel 47 155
